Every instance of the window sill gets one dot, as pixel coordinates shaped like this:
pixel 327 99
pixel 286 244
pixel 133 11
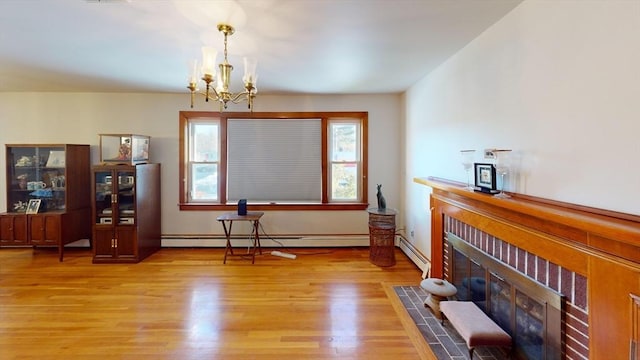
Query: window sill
pixel 275 207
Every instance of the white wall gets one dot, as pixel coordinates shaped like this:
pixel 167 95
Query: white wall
pixel 79 117
pixel 558 82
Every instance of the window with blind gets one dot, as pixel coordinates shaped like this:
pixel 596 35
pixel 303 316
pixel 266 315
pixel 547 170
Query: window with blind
pixel 274 160
pixel 293 160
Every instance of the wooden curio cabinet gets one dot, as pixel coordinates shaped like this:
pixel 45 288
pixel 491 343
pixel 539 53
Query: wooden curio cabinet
pixel 126 212
pixel 47 192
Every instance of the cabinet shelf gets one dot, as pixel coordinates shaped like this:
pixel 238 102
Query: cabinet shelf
pixel 32 190
pixel 42 168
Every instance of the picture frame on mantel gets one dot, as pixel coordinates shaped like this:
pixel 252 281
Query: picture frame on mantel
pixel 485 176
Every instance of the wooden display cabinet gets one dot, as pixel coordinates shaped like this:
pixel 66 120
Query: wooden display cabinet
pixel 58 176
pixel 126 212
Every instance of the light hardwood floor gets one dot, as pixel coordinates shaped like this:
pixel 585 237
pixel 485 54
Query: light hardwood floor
pixel 185 304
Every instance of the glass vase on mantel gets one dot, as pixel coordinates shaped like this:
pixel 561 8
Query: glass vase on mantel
pixel 503 167
pixel 467 162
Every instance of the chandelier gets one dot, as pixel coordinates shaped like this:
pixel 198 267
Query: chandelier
pixel 217 87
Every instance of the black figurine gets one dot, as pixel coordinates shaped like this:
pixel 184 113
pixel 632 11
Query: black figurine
pixel 382 203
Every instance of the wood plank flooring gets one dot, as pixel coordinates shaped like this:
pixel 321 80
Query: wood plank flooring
pixel 185 304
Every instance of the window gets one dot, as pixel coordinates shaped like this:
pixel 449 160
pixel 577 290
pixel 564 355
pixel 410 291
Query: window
pixel 344 155
pixel 204 160
pixel 297 161
pixel 274 160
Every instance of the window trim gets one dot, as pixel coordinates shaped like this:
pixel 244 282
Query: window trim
pixel 189 151
pixel 330 151
pixel 186 116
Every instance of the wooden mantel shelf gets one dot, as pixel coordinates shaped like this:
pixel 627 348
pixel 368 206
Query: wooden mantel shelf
pixel 598 245
pixel 594 227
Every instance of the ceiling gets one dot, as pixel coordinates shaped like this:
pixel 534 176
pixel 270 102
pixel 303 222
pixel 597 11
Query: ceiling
pixel 302 46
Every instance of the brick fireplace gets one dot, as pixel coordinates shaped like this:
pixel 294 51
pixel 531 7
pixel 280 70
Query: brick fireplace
pixel 560 332
pixel 590 257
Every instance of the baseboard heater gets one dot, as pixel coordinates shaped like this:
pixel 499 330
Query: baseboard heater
pixel 265 241
pixel 288 241
pixel 421 261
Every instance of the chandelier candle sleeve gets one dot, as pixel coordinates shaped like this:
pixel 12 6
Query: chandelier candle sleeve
pixel 250 72
pixel 193 77
pixel 209 56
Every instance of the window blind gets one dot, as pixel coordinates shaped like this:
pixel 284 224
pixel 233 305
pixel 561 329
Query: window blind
pixel 274 160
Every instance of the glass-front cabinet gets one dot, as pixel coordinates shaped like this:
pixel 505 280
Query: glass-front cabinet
pixel 36 173
pixel 115 195
pixel 47 195
pixel 126 212
pixel 124 149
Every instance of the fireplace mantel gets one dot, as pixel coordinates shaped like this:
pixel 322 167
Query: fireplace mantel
pixel 611 232
pixel 601 245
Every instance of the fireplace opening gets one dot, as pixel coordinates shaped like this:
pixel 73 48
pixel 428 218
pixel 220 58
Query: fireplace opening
pixel 529 311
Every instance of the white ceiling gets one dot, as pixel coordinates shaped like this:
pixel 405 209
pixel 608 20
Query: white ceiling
pixel 302 46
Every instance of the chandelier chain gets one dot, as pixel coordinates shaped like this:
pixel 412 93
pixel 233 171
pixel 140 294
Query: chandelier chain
pixel 225 47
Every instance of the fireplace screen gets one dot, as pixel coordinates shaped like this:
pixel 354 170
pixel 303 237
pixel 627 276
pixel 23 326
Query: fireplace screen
pixel 529 311
pixel 530 326
pixel 500 301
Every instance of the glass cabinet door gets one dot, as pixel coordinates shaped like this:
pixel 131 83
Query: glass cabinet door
pixel 103 182
pixel 126 197
pixel 36 173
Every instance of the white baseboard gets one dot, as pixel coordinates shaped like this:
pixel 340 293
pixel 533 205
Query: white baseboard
pixel 284 241
pixel 268 242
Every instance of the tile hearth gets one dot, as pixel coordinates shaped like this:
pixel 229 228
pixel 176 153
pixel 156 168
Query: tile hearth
pixel 443 340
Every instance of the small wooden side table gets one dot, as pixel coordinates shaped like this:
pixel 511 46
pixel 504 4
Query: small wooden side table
pixel 228 219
